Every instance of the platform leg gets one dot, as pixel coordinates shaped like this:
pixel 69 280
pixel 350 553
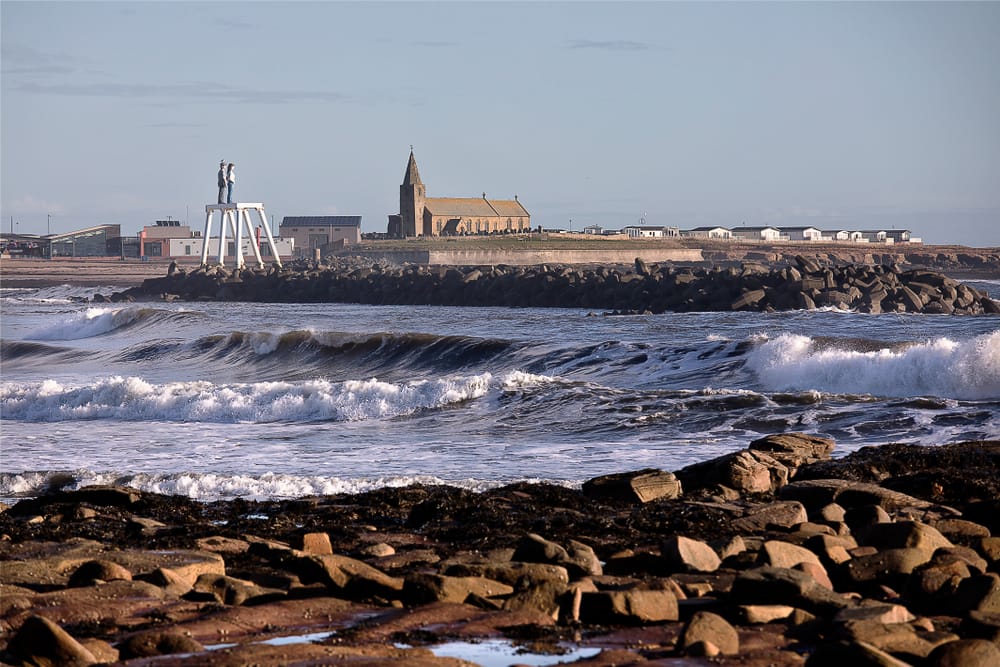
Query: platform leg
pixel 253 240
pixel 238 236
pixel 205 237
pixel 226 218
pixel 270 237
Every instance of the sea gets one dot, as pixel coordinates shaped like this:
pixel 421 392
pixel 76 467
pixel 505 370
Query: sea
pixel 263 401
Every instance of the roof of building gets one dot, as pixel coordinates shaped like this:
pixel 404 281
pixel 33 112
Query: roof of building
pixel 86 231
pixel 798 229
pixel 321 221
pixel 707 229
pixel 753 228
pixel 648 227
pixel 412 176
pixel 474 207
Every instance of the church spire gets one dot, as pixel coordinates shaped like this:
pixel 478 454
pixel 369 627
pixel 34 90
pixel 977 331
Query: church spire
pixel 412 176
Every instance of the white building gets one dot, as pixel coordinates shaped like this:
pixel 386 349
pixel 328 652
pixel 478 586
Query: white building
pixel 650 232
pixel 802 233
pixel 756 233
pixel 192 247
pixel 708 233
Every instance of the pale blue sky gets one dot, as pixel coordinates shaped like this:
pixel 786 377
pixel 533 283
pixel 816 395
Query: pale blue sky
pixel 839 115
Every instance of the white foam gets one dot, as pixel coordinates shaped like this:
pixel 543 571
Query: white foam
pixel 215 486
pixel 967 370
pixel 86 324
pixel 133 399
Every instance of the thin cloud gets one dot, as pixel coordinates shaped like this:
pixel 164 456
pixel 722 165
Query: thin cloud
pixel 194 92
pixel 23 59
pixel 609 45
pixel 435 44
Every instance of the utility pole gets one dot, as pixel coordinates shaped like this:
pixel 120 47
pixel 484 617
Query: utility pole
pixel 48 219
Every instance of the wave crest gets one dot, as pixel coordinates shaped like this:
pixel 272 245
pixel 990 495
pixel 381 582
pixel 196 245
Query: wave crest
pixel 134 399
pixel 968 370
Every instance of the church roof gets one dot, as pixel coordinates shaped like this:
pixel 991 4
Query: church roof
pixel 412 176
pixel 474 207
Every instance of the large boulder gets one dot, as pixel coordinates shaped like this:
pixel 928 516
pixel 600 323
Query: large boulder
pixel 642 486
pixel 753 472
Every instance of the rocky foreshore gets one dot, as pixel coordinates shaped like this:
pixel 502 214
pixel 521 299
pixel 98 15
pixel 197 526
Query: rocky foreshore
pixel 640 288
pixel 773 555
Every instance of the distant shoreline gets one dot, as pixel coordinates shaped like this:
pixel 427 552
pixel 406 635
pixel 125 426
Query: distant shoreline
pixel 114 272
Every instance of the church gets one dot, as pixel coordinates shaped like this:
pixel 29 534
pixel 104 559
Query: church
pixel 420 215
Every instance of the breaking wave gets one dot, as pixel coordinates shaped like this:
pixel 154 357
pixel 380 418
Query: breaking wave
pixel 135 399
pixel 968 370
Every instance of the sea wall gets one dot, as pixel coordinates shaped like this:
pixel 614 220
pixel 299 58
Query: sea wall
pixel 529 257
pixel 638 288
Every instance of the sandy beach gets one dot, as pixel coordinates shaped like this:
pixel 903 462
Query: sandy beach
pixel 82 272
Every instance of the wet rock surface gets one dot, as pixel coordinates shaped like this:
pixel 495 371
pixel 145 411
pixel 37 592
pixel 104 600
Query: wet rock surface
pixel 803 285
pixel 890 555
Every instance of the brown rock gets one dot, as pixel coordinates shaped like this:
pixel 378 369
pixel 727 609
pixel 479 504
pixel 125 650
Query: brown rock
pixel 688 555
pixel 353 577
pixel 965 653
pixel 642 486
pixel 906 534
pixel 96 571
pixel 794 449
pixel 705 626
pixel 781 514
pixel 900 639
pixel 157 642
pixel 544 597
pixel 782 554
pixel 815 493
pixel 222 545
pixel 512 574
pixel 233 591
pixel 630 607
pixel 961 530
pixel 746 471
pixel 891 567
pixel 317 543
pixel 424 588
pixel 41 642
pixel 775 585
pixel 982 625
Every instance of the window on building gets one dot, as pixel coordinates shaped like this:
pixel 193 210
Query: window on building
pixel 187 250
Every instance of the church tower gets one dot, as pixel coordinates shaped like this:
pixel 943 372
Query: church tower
pixel 411 200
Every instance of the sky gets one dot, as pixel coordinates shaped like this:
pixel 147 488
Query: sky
pixel 856 115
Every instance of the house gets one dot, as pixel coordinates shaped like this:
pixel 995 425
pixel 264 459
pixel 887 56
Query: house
pixel 901 236
pixel 420 215
pixel 320 231
pixel 171 239
pixel 595 230
pixel 708 233
pixel 756 233
pixel 876 236
pixel 802 233
pixel 841 235
pixel 650 232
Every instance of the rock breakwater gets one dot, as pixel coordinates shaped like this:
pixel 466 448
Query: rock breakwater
pixel 773 555
pixel 628 289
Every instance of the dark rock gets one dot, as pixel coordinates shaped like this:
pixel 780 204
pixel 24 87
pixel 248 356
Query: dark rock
pixel 39 641
pixel 158 642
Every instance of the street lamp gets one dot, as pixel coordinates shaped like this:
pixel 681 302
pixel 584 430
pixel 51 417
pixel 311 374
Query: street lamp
pixel 48 219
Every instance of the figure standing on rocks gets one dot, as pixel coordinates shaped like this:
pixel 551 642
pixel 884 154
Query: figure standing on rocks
pixel 222 180
pixel 230 179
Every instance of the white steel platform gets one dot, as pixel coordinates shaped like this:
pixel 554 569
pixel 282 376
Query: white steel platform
pixel 236 217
